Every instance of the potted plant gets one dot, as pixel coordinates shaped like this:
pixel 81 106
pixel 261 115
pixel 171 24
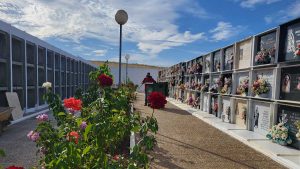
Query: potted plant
pixel 279 134
pixel 260 87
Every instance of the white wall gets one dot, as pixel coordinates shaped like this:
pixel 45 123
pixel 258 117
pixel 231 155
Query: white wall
pixel 136 75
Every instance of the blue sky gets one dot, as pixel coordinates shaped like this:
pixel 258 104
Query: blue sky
pixel 158 32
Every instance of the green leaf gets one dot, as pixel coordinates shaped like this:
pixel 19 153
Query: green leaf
pixel 86 150
pixel 2 153
pixel 136 129
pixel 61 114
pixel 87 130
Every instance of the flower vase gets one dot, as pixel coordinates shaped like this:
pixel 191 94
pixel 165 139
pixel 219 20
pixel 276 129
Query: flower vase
pixel 283 143
pixel 228 90
pixel 272 60
pixel 263 95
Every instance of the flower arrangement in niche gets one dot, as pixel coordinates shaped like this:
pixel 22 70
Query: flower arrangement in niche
pixel 297 123
pixel 297 51
pixel 204 88
pixel 227 85
pixel 265 56
pixel 214 88
pixel 243 87
pixel 280 134
pixel 260 86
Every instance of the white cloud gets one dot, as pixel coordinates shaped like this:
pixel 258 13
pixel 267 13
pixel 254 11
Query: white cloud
pixel 225 30
pixel 291 12
pixel 253 3
pixel 100 52
pixel 151 23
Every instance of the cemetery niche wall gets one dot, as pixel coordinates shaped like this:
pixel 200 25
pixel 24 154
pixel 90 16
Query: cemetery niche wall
pixel 26 62
pixel 253 83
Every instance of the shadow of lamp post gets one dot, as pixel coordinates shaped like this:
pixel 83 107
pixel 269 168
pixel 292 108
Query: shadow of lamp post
pixel 121 18
pixel 127 56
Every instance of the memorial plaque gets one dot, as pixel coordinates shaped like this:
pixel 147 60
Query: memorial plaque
pixel 244 54
pixel 290 83
pixel 226 110
pixel 292 42
pixel 241 113
pixel 290 115
pixel 261 117
pixel 207 64
pixel 205 103
pixel 269 77
pixel 217 61
pixel 13 101
pixel 228 58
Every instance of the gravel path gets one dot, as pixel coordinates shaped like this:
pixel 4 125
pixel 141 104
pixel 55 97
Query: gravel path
pixel 19 150
pixel 185 141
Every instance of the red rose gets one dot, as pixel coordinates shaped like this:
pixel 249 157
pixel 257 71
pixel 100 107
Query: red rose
pixel 72 103
pixel 105 81
pixel 73 136
pixel 157 100
pixel 116 157
pixel 14 167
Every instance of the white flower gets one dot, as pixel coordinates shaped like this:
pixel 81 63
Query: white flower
pixel 47 85
pixel 298 135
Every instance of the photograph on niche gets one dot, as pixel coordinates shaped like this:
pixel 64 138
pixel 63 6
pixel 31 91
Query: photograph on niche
pixel 228 65
pixel 290 116
pixel 292 43
pixel 290 84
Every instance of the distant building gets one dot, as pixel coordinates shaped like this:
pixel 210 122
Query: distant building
pixel 136 72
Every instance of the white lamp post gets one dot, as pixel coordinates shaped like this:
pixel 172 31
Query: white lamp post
pixel 127 56
pixel 121 18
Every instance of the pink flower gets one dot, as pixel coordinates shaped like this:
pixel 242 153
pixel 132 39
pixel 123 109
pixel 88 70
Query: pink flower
pixel 33 136
pixel 42 117
pixel 83 125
